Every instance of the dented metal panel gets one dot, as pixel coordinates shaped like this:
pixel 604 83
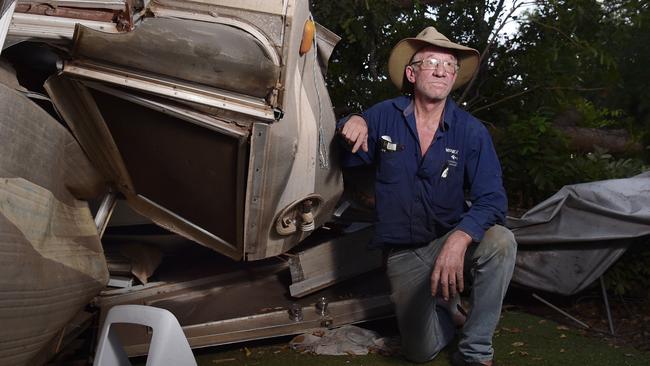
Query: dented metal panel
pixel 147 123
pixel 215 55
pixel 207 121
pixel 212 17
pixel 298 150
pixel 271 23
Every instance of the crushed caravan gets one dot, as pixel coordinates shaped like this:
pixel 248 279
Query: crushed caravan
pixel 203 115
pixel 208 117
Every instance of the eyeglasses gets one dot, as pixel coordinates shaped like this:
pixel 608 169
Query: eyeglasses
pixel 433 63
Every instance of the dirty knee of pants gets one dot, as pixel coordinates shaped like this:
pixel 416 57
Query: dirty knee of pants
pixel 498 243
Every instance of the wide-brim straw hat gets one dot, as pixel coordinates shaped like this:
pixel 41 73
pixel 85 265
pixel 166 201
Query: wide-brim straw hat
pixel 403 52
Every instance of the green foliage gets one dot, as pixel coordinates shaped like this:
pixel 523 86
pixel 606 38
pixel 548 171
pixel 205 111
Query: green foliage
pixel 537 162
pixel 595 117
pixel 630 275
pixel 584 56
pixel 568 51
pixel 533 158
pixel 358 74
pixel 600 165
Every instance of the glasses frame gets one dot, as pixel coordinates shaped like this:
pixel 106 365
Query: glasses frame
pixel 447 66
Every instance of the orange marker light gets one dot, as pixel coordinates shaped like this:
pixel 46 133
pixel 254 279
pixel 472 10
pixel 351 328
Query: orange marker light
pixel 307 36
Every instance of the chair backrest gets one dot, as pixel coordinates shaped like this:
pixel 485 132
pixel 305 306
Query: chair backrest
pixel 168 343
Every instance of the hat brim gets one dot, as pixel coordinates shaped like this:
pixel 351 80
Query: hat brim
pixel 402 53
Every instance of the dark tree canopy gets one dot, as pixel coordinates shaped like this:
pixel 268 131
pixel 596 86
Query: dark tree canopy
pixel 564 96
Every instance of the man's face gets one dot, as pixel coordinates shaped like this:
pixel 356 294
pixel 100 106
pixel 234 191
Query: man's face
pixel 435 84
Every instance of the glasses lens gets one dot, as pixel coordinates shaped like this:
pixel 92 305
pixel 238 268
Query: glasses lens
pixel 433 63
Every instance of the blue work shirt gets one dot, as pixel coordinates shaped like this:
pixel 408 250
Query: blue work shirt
pixel 421 198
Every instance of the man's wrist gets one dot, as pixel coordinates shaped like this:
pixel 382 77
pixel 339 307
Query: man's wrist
pixel 462 237
pixel 345 120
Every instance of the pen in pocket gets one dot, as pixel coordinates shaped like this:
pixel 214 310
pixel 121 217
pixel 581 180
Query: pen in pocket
pixel 445 171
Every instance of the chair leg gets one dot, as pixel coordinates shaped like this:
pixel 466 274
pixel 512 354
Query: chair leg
pixel 585 325
pixel 607 308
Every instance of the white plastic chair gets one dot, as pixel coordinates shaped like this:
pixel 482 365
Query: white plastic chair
pixel 168 343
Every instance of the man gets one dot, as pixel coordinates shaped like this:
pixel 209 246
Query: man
pixel 428 153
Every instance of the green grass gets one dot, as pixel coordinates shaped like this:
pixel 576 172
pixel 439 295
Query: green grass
pixel 521 339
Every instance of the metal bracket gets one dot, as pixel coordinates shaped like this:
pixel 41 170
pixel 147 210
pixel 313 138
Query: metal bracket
pixel 105 211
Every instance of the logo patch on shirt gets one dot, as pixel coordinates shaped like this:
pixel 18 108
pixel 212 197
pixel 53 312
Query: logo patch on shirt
pixel 452 159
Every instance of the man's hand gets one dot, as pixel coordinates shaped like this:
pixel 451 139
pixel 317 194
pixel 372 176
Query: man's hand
pixel 355 133
pixel 447 275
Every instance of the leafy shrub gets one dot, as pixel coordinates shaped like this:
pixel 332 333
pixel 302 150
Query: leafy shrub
pixel 537 162
pixel 600 165
pixel 533 156
pixel 630 275
pixel 595 117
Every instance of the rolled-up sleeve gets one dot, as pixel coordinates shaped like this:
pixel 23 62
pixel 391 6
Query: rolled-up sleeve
pixel 484 178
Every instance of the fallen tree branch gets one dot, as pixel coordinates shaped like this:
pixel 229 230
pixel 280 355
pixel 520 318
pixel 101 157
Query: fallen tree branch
pixel 616 141
pixel 506 98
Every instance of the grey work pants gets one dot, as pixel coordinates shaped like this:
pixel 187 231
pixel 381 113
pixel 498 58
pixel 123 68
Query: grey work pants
pixel 426 328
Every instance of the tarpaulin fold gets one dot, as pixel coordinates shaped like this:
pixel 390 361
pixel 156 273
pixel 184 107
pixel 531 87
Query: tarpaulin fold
pixel 569 240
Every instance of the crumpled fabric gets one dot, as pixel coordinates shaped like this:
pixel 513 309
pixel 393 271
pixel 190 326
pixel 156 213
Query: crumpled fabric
pixel 568 241
pixel 346 340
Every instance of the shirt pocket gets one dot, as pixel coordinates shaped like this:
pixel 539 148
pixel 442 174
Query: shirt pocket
pixel 448 192
pixel 390 168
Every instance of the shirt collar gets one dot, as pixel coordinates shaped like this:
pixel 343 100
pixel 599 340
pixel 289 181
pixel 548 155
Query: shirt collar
pixel 406 105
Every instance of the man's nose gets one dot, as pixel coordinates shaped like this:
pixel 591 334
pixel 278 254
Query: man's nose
pixel 439 71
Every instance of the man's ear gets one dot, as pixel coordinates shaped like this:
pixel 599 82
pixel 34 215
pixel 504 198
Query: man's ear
pixel 410 74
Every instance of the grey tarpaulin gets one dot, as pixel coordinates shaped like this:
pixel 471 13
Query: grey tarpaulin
pixel 569 240
pixel 52 263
